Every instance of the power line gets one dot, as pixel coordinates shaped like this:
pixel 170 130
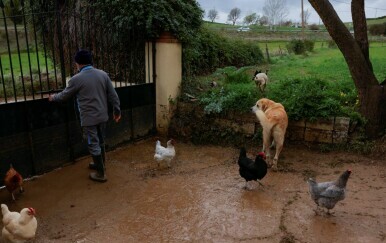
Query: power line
pixel 365 6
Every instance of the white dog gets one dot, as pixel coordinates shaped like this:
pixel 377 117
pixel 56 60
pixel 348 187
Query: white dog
pixel 261 79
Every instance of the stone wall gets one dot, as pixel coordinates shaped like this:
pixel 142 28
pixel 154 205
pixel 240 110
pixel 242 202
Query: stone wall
pixel 326 130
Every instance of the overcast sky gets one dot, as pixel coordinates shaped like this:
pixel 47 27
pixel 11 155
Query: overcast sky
pixel 374 8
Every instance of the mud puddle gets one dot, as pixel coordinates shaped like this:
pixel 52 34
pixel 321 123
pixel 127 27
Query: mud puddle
pixel 201 199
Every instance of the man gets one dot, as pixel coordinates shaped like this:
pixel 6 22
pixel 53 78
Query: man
pixel 93 90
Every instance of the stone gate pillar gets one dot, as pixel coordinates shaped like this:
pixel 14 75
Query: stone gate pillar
pixel 168 79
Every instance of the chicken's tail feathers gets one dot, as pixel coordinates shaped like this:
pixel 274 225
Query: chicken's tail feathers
pixel 243 152
pixel 4 209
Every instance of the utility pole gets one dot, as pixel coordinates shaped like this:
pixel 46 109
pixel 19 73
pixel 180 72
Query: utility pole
pixel 302 21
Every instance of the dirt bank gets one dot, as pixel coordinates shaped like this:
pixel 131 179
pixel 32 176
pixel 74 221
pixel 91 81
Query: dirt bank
pixel 201 199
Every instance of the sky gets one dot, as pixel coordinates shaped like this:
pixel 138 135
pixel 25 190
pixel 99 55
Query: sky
pixel 373 8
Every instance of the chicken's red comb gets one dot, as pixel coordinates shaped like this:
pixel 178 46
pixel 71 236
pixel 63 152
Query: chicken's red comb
pixel 31 211
pixel 261 154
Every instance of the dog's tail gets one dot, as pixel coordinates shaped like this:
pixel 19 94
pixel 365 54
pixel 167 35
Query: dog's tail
pixel 263 119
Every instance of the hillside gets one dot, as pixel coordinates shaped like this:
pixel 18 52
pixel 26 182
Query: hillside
pixel 379 20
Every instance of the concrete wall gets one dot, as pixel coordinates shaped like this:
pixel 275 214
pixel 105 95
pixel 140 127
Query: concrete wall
pixel 168 79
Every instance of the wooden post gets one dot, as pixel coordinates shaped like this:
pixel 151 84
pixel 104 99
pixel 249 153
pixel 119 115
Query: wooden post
pixel 302 21
pixel 266 50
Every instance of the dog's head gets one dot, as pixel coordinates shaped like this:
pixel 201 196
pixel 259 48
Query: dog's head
pixel 254 75
pixel 262 104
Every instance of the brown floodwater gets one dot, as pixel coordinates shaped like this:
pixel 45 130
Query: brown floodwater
pixel 201 199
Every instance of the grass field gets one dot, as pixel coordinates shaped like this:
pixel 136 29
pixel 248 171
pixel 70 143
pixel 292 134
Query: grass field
pixel 380 20
pixel 25 66
pixel 324 63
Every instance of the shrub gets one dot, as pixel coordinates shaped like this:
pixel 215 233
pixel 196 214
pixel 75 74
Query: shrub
pixel 237 76
pixel 300 47
pixel 314 27
pixel 238 92
pixel 209 50
pixel 296 46
pixel 309 45
pixel 378 29
pixel 331 44
pixel 312 98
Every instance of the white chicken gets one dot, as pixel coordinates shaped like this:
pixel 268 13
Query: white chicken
pixel 162 153
pixel 18 227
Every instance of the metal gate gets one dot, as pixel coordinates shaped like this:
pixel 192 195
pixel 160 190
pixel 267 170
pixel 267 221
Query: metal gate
pixel 37 42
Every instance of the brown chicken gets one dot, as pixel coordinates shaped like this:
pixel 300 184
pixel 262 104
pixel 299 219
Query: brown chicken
pixel 13 181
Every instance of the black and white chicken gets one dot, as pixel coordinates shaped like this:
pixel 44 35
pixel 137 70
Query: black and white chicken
pixel 327 194
pixel 162 153
pixel 252 170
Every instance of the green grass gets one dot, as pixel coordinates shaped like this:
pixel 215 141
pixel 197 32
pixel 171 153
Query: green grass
pixel 379 20
pixel 6 64
pixel 325 63
pixel 317 84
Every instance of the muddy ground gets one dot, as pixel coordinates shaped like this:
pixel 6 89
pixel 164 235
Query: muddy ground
pixel 201 199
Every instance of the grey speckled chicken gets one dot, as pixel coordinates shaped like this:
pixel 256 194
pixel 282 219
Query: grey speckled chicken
pixel 327 194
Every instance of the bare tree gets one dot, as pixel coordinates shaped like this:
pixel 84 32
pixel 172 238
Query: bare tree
pixel 306 16
pixel 212 15
pixel 275 10
pixel 234 15
pixel 263 20
pixel 355 49
pixel 251 18
pixel 257 21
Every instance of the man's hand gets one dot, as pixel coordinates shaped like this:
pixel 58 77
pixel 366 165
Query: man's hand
pixel 50 97
pixel 117 117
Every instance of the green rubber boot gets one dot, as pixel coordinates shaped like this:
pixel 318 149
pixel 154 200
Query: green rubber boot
pixel 92 166
pixel 99 175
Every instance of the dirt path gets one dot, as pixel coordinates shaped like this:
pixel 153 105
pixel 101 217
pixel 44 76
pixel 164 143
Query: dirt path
pixel 201 199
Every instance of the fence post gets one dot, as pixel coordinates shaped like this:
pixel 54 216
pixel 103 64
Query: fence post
pixel 61 53
pixel 168 79
pixel 266 50
pixel 63 76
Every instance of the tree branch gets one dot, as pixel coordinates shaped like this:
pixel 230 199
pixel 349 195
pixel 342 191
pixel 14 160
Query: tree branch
pixel 360 28
pixel 358 64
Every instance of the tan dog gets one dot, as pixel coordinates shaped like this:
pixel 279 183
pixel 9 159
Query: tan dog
pixel 274 120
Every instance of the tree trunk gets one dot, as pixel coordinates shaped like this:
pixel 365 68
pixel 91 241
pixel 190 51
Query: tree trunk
pixel 372 96
pixel 373 108
pixel 360 28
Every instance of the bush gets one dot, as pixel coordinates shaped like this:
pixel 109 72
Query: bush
pixel 312 98
pixel 309 45
pixel 238 92
pixel 181 18
pixel 378 29
pixel 331 44
pixel 296 46
pixel 208 50
pixel 300 47
pixel 314 27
